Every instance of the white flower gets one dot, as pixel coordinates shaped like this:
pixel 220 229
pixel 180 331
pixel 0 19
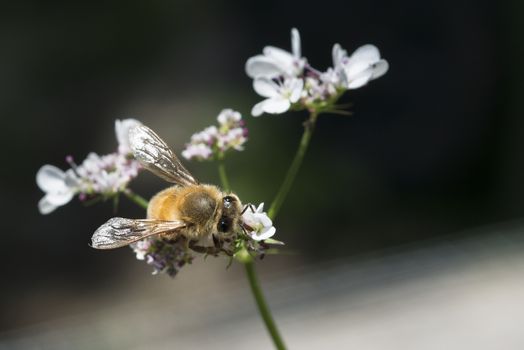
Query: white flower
pixel 258 224
pixel 207 136
pixel 97 175
pixel 199 151
pixel 122 128
pixel 213 141
pixel 280 96
pixel 228 117
pixel 106 174
pixel 59 187
pixel 141 248
pixel 362 66
pixel 276 62
pixel 234 138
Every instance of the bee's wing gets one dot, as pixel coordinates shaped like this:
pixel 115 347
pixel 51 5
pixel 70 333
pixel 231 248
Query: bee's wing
pixel 119 232
pixel 156 156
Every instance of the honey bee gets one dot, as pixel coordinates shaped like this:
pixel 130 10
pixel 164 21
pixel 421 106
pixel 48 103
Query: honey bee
pixel 202 214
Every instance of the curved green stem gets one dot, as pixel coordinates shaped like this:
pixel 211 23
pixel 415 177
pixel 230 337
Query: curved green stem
pixel 309 127
pixel 245 258
pixel 262 306
pixel 135 198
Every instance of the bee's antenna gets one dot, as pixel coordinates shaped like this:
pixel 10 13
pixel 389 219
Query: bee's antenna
pixel 246 207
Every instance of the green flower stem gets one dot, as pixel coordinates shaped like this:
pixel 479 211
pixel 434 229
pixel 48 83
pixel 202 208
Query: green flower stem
pixel 223 175
pixel 245 258
pixel 262 305
pixel 135 198
pixel 309 127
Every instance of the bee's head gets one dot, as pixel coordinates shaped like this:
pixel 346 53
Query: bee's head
pixel 231 209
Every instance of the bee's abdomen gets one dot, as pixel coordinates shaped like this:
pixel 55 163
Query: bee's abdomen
pixel 162 205
pixel 199 207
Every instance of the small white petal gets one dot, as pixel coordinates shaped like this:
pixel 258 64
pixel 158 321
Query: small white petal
pixel 296 90
pixel 260 208
pixel 262 66
pixel 265 87
pixel 355 69
pixel 276 105
pixel 45 207
pixel 380 68
pixel 366 53
pixel 295 43
pixel 258 109
pixel 228 115
pixel 50 179
pixel 360 81
pixel 263 219
pixel 60 198
pixel 282 58
pixel 338 55
pixel 122 128
pixel 264 235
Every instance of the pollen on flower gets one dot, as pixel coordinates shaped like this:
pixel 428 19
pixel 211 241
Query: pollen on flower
pixel 165 256
pixel 214 141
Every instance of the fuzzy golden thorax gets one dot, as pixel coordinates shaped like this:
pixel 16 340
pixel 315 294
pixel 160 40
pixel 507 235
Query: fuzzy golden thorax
pixel 204 208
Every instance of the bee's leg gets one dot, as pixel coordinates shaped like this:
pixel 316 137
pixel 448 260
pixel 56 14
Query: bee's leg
pixel 216 242
pixel 186 244
pixel 187 254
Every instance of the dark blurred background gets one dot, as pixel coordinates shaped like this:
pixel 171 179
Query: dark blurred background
pixel 433 149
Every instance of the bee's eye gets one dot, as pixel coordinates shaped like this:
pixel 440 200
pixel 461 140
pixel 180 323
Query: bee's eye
pixel 227 201
pixel 223 224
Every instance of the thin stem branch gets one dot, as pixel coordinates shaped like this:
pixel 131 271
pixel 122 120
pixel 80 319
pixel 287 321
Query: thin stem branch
pixel 249 265
pixel 262 306
pixel 309 127
pixel 223 175
pixel 135 198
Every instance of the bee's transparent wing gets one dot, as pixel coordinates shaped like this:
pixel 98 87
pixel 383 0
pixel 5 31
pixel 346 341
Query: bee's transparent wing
pixel 119 232
pixel 156 156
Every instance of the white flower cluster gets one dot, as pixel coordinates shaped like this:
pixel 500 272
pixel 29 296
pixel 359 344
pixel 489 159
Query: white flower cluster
pixel 215 141
pixel 97 175
pixel 257 223
pixel 165 256
pixel 286 80
pixel 106 174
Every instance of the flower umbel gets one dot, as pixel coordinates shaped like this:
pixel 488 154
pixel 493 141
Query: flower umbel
pixel 104 176
pixel 165 256
pixel 214 141
pixel 279 76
